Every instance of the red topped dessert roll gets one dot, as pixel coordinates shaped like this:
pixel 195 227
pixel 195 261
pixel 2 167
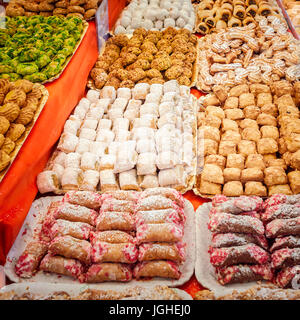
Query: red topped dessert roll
pixel 111 204
pixel 30 259
pixel 224 240
pixel 87 199
pixel 114 220
pixel 286 276
pixel 158 216
pixel 249 254
pixel 75 213
pixel 61 265
pixel 164 232
pixel 285 258
pixel 286 242
pixel 158 268
pixel 225 222
pixel 114 252
pixel 121 195
pixel 112 236
pixel 283 227
pixel 281 198
pixel 237 205
pixel 79 230
pixel 165 192
pixel 155 203
pixel 244 273
pixel 253 214
pixel 70 247
pixel 102 272
pixel 162 251
pixel 281 211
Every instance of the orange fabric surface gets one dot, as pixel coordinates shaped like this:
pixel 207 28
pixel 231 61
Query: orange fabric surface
pixel 18 188
pixel 115 7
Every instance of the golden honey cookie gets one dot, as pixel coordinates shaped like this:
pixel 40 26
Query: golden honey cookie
pixel 16 96
pixel 8 146
pixel 4 160
pixel 62 4
pixel 75 9
pixel 15 131
pixel 10 111
pixel 44 6
pixel 89 14
pixel 91 4
pixel 77 2
pixel 14 10
pixel 4 125
pixel 25 116
pixel 22 84
pixel 60 11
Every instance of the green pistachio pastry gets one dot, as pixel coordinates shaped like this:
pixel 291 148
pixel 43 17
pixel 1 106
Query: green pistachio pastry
pixel 37 48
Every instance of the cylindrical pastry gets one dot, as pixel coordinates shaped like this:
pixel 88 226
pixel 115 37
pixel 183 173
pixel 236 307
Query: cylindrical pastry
pixel 234 22
pixel 103 272
pixel 112 204
pixel 29 260
pixel 239 12
pixel 281 211
pixel 286 242
pixel 286 257
pixel 157 216
pixel 244 273
pixel 165 192
pixel 283 227
pixel 75 213
pixel 77 230
pixel 156 202
pixel 111 236
pixel 159 268
pixel 165 232
pixel 249 254
pixel 114 252
pixel 203 28
pixel 60 265
pixel 285 277
pixel 73 248
pixel 115 220
pixel 237 205
pixel 87 199
pixel 162 251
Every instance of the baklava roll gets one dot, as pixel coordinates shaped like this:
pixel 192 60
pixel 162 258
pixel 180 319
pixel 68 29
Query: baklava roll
pixel 285 277
pixel 87 199
pixel 77 230
pixel 111 236
pixel 112 204
pixel 164 232
pixel 285 258
pixel 234 22
pixel 249 254
pixel 75 213
pixel 283 227
pixel 286 242
pixel 114 252
pixel 70 247
pixel 103 272
pixel 225 14
pixel 158 216
pixel 60 265
pixel 248 20
pixel 239 12
pixel 30 259
pixel 159 268
pixel 210 21
pixel 264 9
pixel 115 220
pixel 221 25
pixel 252 10
pixel 244 273
pixel 203 28
pixel 225 240
pixel 225 222
pixel 162 251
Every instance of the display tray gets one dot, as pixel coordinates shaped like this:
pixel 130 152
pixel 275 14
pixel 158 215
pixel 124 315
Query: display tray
pixel 32 226
pixel 195 69
pixel 42 291
pixel 204 271
pixel 85 27
pixel 22 139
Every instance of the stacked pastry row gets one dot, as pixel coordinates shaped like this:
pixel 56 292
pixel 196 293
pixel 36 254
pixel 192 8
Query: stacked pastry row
pixel 239 141
pixel 252 54
pixel 111 237
pixel 84 9
pixel 128 139
pixel 282 220
pixel 156 15
pixel 146 57
pixel 19 102
pixel 214 15
pixel 255 240
pixel 238 248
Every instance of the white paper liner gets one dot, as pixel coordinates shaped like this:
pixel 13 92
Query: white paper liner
pixel 42 291
pixel 204 271
pixel 32 226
